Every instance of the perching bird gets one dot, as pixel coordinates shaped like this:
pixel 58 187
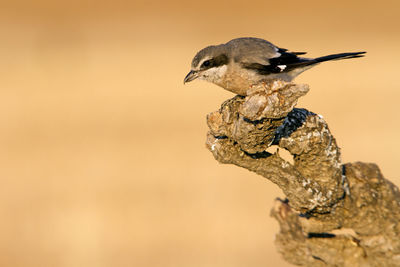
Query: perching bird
pixel 242 62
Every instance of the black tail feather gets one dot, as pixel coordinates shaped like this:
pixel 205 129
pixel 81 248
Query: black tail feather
pixel 339 56
pixel 289 61
pixel 303 62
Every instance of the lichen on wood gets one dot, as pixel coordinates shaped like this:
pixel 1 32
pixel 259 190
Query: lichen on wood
pixel 335 214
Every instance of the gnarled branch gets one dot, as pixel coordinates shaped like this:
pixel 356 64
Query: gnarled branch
pixel 323 196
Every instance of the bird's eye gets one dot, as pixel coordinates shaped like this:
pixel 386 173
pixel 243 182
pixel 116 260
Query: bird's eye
pixel 206 63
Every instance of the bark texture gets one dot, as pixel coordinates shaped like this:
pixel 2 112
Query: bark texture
pixel 335 214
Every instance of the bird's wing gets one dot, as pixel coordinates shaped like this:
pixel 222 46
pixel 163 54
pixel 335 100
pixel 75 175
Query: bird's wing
pixel 285 62
pixel 264 57
pixel 252 50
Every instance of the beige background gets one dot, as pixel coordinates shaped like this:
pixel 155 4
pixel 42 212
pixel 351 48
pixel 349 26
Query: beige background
pixel 103 160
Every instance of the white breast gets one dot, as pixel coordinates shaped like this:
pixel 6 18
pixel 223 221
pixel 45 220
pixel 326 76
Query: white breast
pixel 215 74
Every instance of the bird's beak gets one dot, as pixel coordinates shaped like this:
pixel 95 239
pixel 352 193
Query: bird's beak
pixel 191 76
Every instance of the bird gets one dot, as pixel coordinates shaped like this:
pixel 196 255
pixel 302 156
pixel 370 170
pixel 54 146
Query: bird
pixel 243 62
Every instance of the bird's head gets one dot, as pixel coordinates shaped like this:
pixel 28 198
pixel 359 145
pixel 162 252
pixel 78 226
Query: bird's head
pixel 209 64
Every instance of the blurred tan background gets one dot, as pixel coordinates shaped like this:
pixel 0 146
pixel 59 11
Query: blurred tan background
pixel 103 160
